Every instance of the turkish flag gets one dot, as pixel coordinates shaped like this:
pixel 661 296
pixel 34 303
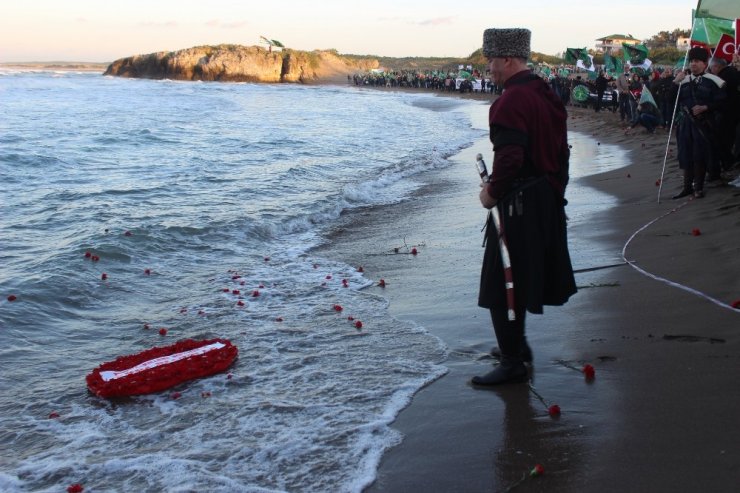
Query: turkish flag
pixel 725 47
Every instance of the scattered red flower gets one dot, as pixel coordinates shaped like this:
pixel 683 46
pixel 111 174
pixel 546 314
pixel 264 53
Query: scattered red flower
pixel 175 395
pixel 328 276
pixel 315 266
pixel 147 271
pixel 267 259
pixel 279 319
pixel 235 277
pixel 696 232
pixel 104 276
pixel 229 376
pixel 338 308
pixel 657 183
pixel 381 283
pixel 589 371
pixel 261 286
pixel 360 269
pixel 95 258
pixel 553 410
pixel 240 303
pixel 128 233
pixel 53 415
pixel 226 290
pixel 413 251
pixel 350 318
pixel 146 326
pixel 235 291
pixel 163 331
pixel 88 254
pixel 255 293
pixel 12 297
pixel 358 325
pixel 183 310
pixel 537 470
pixel 75 488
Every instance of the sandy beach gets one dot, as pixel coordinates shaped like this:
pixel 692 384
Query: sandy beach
pixel 660 414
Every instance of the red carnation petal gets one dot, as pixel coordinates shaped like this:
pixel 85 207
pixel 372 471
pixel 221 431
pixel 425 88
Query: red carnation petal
pixel 53 415
pixel 553 410
pixel 358 325
pixel 163 331
pixel 75 488
pixel 12 297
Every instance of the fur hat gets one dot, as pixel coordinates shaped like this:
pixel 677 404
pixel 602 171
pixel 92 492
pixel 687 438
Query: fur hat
pixel 698 53
pixel 499 43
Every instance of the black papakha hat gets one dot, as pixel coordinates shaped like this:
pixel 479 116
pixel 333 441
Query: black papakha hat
pixel 698 53
pixel 511 42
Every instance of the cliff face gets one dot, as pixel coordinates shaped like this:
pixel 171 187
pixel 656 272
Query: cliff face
pixel 236 63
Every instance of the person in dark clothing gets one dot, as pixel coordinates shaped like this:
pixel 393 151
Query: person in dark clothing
pixel 662 92
pixel 527 188
pixel 700 96
pixel 601 83
pixel 729 115
pixel 648 116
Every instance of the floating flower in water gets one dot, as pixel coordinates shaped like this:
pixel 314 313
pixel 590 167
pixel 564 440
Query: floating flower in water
pixel 338 308
pixel 381 283
pixel 255 293
pixel 94 258
pixel 242 283
pixel 128 233
pixel 413 251
pixel 175 395
pixel 226 290
pixel 53 415
pixel 589 371
pixel 205 394
pixel 229 376
pixel 147 271
pixel 328 276
pixel 657 183
pixel 315 266
pixel 350 318
pixel 696 232
pixel 240 303
pixel 235 291
pixel 88 254
pixel 146 326
pixel 261 286
pixel 12 297
pixel 235 277
pixel 360 269
pixel 163 331
pixel 75 488
pixel 537 470
pixel 267 259
pixel 201 312
pixel 553 410
pixel 358 324
pixel 279 319
pixel 104 276
pixel 736 304
pixel 183 310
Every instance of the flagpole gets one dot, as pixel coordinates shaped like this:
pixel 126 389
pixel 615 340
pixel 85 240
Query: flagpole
pixel 673 117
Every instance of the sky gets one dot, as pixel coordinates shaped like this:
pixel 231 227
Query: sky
pixel 103 31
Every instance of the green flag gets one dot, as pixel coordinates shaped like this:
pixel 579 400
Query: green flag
pixel 707 31
pixel 647 97
pixel 634 54
pixel 572 55
pixel 718 9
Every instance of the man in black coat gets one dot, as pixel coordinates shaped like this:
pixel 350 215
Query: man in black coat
pixel 526 188
pixel 601 83
pixel 729 116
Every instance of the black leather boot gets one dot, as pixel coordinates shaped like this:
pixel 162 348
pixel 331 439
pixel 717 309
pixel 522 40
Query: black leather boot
pixel 525 354
pixel 683 193
pixel 509 370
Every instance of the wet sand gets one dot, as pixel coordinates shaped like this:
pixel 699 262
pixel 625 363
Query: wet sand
pixel 660 414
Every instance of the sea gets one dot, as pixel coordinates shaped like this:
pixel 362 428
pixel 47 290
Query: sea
pixel 205 203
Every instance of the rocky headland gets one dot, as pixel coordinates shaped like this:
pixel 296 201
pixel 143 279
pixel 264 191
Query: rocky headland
pixel 237 63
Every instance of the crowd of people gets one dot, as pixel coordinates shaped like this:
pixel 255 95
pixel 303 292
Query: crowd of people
pixel 707 115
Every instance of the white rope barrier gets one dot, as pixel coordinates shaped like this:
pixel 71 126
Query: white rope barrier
pixel 663 279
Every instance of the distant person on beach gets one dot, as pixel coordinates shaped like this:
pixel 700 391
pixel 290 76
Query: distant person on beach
pixel 527 187
pixel 700 96
pixel 623 86
pixel 601 85
pixel 648 115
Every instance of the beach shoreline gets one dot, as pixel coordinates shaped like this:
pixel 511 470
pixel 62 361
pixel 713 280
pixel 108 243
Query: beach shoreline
pixel 665 357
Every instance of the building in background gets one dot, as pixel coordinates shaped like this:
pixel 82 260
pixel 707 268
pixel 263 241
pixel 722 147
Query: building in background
pixel 613 43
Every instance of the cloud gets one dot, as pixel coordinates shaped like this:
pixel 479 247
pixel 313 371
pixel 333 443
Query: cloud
pixel 437 21
pixel 159 24
pixel 226 25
